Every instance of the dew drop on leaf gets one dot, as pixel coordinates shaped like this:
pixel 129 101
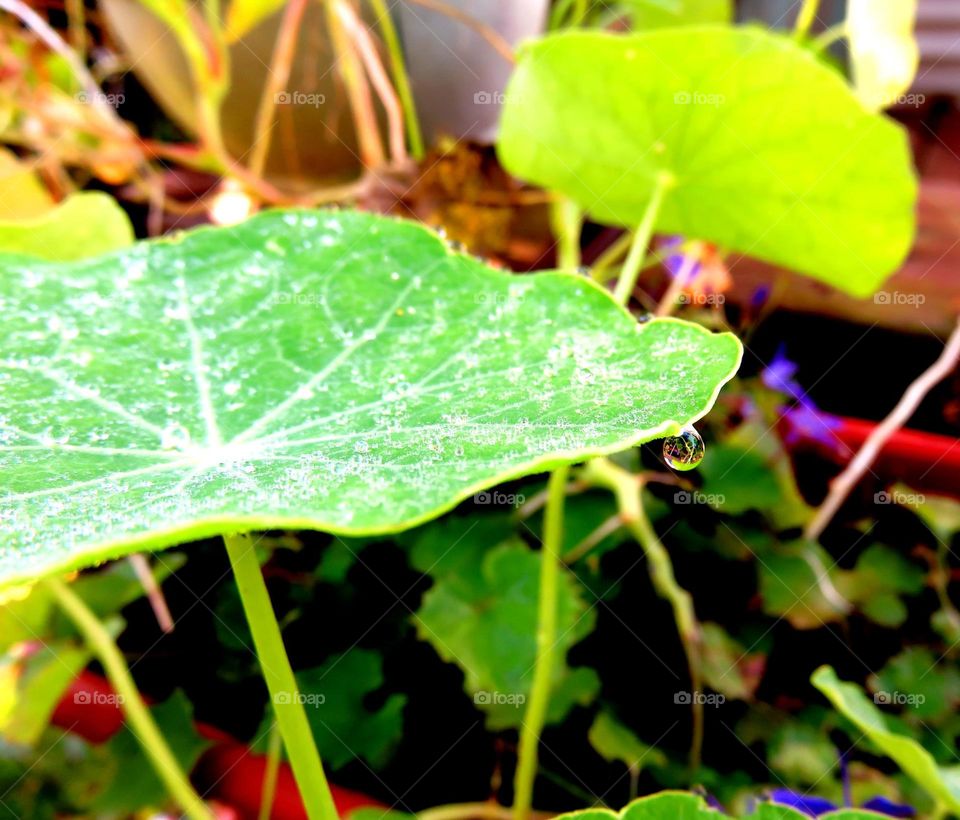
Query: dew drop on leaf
pixel 683 452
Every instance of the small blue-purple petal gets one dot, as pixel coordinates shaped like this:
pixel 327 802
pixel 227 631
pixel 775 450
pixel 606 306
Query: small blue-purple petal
pixel 675 259
pixel 810 805
pixel 807 422
pixel 778 375
pixel 884 806
pixel 759 297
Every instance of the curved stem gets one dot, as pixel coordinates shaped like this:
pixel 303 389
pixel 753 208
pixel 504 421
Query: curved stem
pixel 843 484
pixel 832 35
pixel 536 711
pixel 284 695
pixel 805 18
pixel 626 488
pixel 641 239
pixel 401 80
pixel 278 76
pixel 138 718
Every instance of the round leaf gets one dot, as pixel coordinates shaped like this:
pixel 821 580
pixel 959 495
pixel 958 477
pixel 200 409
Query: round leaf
pixel 764 149
pixel 334 371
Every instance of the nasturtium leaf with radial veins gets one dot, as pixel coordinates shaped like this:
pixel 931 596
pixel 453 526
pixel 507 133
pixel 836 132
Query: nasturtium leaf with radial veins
pixel 327 370
pixel 824 187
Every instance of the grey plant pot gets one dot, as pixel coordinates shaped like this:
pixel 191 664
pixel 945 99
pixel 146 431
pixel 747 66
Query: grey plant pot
pixel 457 77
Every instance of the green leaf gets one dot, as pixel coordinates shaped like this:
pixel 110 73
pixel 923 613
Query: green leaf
pixel 877 582
pixel 31 688
pixel 245 15
pixel 728 666
pixel 790 588
pixel 614 741
pixel 84 224
pixel 243 378
pixel 884 54
pixel 135 784
pixel 649 14
pixel 662 806
pixel 824 186
pixel 917 681
pixel 481 614
pixel 334 696
pixel 942 782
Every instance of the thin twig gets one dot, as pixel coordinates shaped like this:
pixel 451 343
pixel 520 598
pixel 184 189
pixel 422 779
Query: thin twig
pixel 915 393
pixel 358 90
pixel 379 79
pixel 158 603
pixel 278 76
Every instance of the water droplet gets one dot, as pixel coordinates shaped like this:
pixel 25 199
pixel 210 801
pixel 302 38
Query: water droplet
pixel 683 452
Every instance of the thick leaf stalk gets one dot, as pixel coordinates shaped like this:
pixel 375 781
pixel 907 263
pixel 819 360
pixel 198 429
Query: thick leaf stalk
pixel 278 674
pixel 536 711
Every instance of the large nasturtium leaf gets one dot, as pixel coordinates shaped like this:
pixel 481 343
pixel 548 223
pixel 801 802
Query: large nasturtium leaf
pixel 824 186
pixel 942 782
pixel 337 371
pixel 884 54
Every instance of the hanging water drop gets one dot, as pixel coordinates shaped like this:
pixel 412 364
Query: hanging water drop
pixel 685 451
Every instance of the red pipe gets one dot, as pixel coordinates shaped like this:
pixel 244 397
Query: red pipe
pixel 227 772
pixel 922 461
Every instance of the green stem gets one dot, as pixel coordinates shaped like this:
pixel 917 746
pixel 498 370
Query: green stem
pixel 401 80
pixel 268 790
pixel 287 703
pixel 805 18
pixel 641 239
pixel 567 219
pixel 138 718
pixel 626 488
pixel 823 41
pixel 536 712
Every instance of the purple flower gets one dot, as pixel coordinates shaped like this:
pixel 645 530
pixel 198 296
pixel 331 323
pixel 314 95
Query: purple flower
pixel 815 806
pixel 778 375
pixel 674 253
pixel 805 804
pixel 805 421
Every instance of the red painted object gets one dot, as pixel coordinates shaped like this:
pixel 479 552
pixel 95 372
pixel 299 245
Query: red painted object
pixel 227 772
pixel 922 461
